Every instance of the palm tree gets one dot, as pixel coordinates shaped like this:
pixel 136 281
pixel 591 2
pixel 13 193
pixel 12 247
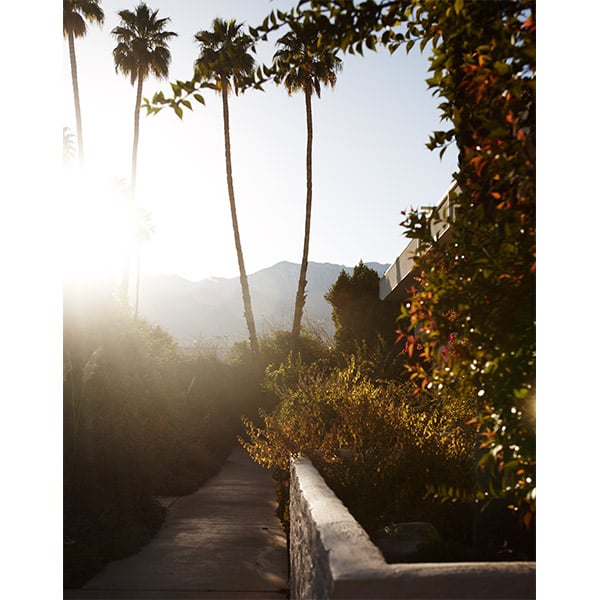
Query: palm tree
pixel 141 50
pixel 301 66
pixel 75 15
pixel 225 62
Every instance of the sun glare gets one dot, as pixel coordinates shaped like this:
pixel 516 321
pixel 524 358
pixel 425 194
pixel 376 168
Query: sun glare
pixel 95 230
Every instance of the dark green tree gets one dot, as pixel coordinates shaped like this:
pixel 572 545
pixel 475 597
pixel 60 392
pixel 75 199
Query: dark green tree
pixel 302 67
pixel 358 314
pixel 142 49
pixel 225 62
pixel 75 15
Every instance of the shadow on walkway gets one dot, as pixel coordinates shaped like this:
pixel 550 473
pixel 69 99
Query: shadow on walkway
pixel 223 541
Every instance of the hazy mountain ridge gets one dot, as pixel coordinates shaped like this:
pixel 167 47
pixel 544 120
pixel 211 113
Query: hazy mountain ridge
pixel 210 313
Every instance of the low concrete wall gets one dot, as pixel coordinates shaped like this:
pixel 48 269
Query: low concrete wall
pixel 331 556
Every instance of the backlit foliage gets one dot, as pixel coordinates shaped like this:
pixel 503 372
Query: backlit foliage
pixel 481 287
pixel 375 444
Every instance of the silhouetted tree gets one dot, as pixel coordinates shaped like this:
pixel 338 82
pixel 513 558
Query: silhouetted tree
pixel 75 15
pixel 301 66
pixel 225 61
pixel 141 50
pixel 358 313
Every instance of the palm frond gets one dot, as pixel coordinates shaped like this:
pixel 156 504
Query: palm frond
pixel 77 12
pixel 142 43
pixel 225 54
pixel 300 64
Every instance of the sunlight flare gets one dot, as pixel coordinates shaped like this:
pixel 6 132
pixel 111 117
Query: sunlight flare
pixel 97 230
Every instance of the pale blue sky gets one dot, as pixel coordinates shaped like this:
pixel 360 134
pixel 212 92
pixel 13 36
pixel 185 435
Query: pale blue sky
pixel 369 154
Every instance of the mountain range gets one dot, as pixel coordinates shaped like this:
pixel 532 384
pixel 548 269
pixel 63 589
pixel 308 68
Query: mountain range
pixel 209 313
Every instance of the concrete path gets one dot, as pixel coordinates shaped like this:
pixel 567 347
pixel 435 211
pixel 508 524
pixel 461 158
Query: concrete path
pixel 224 541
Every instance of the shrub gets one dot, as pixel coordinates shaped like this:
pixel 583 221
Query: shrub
pixel 375 444
pixel 247 371
pixel 134 428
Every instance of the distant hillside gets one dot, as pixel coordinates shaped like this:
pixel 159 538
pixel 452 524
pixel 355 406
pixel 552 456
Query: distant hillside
pixel 209 313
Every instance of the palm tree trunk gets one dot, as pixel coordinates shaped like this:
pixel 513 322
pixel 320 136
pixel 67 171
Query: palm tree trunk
pixel 300 294
pixel 76 96
pixel 136 136
pixel 248 314
pixel 137 279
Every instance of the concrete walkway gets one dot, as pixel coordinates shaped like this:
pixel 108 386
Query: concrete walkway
pixel 224 541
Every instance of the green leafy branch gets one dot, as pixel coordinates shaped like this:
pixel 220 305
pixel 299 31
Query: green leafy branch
pixel 182 92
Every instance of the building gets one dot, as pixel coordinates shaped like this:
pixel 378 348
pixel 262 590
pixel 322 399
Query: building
pixel 400 276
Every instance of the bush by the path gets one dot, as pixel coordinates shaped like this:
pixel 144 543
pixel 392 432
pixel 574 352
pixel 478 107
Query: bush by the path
pixel 141 419
pixel 384 451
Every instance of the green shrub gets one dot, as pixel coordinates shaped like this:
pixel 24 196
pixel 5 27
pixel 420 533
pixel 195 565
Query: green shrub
pixel 247 371
pixel 375 444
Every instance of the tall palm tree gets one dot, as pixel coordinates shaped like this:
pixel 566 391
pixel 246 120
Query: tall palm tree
pixel 75 15
pixel 225 62
pixel 301 66
pixel 141 50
